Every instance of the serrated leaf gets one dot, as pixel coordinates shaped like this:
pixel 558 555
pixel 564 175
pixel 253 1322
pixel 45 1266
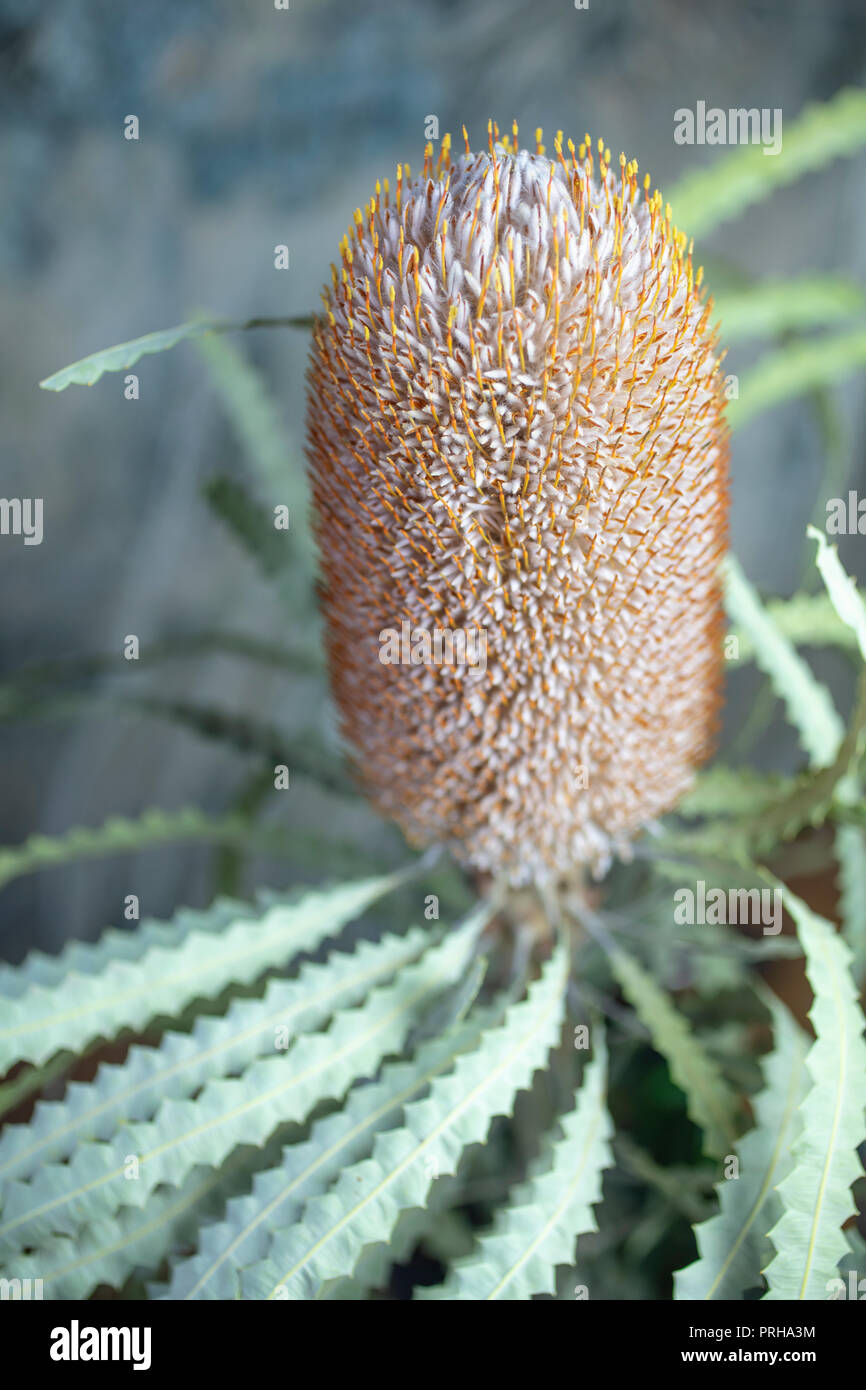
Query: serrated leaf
pixel 733 1245
pixel 779 814
pixel 841 589
pixel 707 197
pixel 807 620
pixel 809 798
pixel 307 1169
pixel 156 829
pixel 368 1200
pixel 808 703
pixel 850 844
pixel 119 989
pixel 710 1102
pixel 272 1091
pixel 89 369
pixel 816 1196
pixel 783 306
pixel 91 957
pixel 539 1228
pixel 731 791
pixel 122 835
pixel 183 1062
pixel 134 1239
pixel 24 688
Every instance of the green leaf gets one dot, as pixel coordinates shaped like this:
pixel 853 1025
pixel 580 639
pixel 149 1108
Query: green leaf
pixel 134 1239
pixel 841 589
pixel 807 620
pixel 23 695
pixel 119 835
pixel 850 843
pixel 680 1186
pixel 94 992
pixel 710 1102
pixel 90 958
pixel 835 753
pixel 707 197
pixel 250 522
pixel 154 829
pixel 731 791
pixel 228 1112
pixel 781 306
pixel 733 1246
pixel 25 683
pixel 807 702
pixel 793 371
pixel 808 799
pixel 308 1169
pixel 116 359
pixel 255 419
pixel 303 753
pixel 183 1062
pixel 365 1205
pixel 850 846
pixel 539 1228
pixel 816 1195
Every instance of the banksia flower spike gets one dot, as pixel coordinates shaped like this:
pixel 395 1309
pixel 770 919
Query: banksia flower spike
pixel 516 433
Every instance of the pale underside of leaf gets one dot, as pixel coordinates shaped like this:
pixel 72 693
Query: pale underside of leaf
pixel 710 1102
pixel 733 1245
pixel 816 1197
pixel 88 370
pixel 539 1228
pixel 133 1090
pixel 228 1112
pixel 306 1170
pixel 807 702
pixel 127 993
pixel 368 1200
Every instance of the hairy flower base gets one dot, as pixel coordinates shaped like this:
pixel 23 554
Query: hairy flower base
pixel 515 425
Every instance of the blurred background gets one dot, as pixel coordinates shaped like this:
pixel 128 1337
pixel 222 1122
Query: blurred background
pixel 260 127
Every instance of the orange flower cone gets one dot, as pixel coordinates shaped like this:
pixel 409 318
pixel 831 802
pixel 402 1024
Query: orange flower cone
pixel 516 437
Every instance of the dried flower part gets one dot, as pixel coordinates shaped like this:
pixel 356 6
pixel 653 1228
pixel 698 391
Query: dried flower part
pixel 516 437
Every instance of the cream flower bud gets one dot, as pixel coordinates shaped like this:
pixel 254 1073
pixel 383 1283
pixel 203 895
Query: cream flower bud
pixel 517 442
